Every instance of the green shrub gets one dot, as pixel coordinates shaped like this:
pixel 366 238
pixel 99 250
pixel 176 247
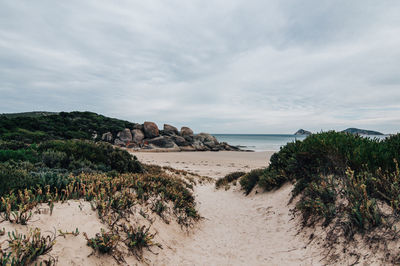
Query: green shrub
pixel 104 242
pixel 249 180
pixel 228 179
pixel 139 238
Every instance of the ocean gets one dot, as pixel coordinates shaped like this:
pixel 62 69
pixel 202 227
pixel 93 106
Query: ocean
pixel 263 142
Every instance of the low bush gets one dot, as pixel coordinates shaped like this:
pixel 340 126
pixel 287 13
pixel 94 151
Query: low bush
pixel 103 242
pixel 337 175
pixel 250 180
pixel 139 238
pixel 228 179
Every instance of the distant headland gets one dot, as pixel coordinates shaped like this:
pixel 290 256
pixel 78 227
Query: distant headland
pixel 352 130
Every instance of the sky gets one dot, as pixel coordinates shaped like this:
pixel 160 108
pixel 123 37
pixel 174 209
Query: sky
pixel 221 66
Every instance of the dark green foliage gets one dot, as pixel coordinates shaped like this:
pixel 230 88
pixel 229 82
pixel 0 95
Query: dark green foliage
pixel 74 154
pixel 104 242
pixel 249 181
pixel 73 125
pixel 51 162
pixel 12 145
pixel 139 238
pixel 228 179
pixel 330 166
pixel 318 201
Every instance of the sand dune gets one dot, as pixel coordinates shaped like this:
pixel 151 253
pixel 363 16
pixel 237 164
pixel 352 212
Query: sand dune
pixel 237 230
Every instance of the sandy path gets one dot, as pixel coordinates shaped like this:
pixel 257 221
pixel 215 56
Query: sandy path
pixel 237 230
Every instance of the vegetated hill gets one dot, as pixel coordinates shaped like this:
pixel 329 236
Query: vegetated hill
pixel 362 131
pixel 29 114
pixel 73 125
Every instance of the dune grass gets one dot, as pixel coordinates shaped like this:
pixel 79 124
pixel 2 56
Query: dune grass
pixel 229 178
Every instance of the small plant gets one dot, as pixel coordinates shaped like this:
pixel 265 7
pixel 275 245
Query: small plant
pixel 104 242
pixel 159 207
pixel 64 234
pixel 228 179
pixel 139 238
pixel 25 249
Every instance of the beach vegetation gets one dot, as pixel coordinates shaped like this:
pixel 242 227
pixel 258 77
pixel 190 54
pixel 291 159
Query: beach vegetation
pixel 103 242
pixel 24 249
pixel 58 126
pixel 138 238
pixel 229 178
pixel 338 177
pixel 56 167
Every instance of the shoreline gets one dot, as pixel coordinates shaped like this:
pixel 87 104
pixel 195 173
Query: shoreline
pixel 208 163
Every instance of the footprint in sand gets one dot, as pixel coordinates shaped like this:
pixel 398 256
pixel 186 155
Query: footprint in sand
pixel 265 212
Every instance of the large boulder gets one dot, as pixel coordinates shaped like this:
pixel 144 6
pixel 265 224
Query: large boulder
pixel 207 139
pixel 161 142
pixel 137 135
pixel 125 135
pixel 170 130
pixel 180 141
pixel 199 146
pixel 107 137
pixel 138 126
pixel 186 131
pixel 150 130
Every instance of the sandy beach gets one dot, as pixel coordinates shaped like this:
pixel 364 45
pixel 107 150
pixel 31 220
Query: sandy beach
pixel 212 164
pixel 237 230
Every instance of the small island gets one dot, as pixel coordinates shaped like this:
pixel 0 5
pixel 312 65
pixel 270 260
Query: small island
pixel 357 131
pixel 303 132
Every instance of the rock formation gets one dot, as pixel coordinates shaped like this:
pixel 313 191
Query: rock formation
pixel 303 132
pixel 137 135
pixel 150 130
pixel 149 137
pixel 170 130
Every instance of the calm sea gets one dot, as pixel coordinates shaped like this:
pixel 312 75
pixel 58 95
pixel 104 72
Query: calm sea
pixel 262 142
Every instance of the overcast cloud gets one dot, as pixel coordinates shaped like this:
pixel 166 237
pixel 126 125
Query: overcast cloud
pixel 233 66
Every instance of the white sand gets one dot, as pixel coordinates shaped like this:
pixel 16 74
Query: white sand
pixel 212 164
pixel 237 230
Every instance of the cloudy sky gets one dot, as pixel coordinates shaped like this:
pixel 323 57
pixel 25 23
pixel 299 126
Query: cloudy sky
pixel 222 66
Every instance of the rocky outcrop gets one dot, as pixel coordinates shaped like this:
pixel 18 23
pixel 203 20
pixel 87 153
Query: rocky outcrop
pixel 170 130
pixel 123 138
pixel 107 137
pixel 138 126
pixel 180 141
pixel 162 142
pixel 148 137
pixel 125 135
pixel 186 132
pixel 150 130
pixel 303 132
pixel 137 135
